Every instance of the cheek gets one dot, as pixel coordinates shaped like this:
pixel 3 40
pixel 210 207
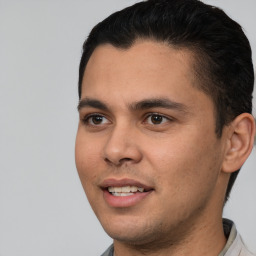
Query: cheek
pixel 185 176
pixel 185 164
pixel 87 164
pixel 87 158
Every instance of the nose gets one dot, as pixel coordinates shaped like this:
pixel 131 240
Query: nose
pixel 122 146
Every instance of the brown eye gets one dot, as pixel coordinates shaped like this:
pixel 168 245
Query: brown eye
pixel 97 119
pixel 156 119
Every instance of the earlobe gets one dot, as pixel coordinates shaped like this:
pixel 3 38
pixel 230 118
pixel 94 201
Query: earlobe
pixel 239 142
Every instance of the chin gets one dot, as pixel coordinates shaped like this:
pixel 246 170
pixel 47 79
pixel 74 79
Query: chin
pixel 134 232
pixel 136 237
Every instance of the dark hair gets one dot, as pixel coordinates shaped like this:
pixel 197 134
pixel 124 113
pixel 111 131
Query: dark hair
pixel 223 62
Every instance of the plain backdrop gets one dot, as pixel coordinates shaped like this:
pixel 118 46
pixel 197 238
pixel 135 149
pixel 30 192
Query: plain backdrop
pixel 43 209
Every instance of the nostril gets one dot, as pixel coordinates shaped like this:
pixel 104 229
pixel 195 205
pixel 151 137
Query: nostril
pixel 118 162
pixel 107 160
pixel 125 160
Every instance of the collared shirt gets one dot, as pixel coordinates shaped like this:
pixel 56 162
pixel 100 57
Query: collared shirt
pixel 233 247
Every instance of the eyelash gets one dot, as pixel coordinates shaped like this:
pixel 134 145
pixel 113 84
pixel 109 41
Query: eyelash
pixel 163 119
pixel 87 118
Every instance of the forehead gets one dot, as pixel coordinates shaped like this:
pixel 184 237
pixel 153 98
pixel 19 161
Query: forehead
pixel 142 58
pixel 147 69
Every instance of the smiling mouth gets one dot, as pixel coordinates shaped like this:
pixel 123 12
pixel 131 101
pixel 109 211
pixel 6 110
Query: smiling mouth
pixel 123 193
pixel 125 190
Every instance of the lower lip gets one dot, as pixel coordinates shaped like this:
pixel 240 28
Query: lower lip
pixel 124 201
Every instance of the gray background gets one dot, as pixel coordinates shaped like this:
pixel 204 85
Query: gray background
pixel 43 209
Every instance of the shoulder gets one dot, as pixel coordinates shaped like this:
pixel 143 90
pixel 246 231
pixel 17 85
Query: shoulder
pixel 245 251
pixel 235 245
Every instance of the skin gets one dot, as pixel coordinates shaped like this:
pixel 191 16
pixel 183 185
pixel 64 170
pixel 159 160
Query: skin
pixel 180 157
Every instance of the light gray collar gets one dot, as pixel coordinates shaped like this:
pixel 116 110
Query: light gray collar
pixel 231 234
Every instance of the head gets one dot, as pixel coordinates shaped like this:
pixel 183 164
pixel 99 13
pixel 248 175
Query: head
pixel 163 85
pixel 222 52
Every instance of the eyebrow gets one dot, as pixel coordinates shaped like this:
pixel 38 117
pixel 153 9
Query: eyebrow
pixel 88 102
pixel 159 103
pixel 140 105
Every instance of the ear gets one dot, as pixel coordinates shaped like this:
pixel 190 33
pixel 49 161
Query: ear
pixel 240 140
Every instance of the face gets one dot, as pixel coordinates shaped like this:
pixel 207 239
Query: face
pixel 146 150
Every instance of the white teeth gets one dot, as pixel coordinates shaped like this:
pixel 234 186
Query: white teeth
pixel 111 189
pixel 141 189
pixel 126 190
pixel 134 189
pixel 122 194
pixel 118 189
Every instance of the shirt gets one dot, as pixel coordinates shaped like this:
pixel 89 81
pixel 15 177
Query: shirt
pixel 234 246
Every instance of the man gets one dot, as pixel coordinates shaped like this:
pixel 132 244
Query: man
pixel 165 90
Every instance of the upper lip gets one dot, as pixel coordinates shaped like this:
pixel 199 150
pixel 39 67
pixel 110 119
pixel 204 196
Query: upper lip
pixel 112 182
